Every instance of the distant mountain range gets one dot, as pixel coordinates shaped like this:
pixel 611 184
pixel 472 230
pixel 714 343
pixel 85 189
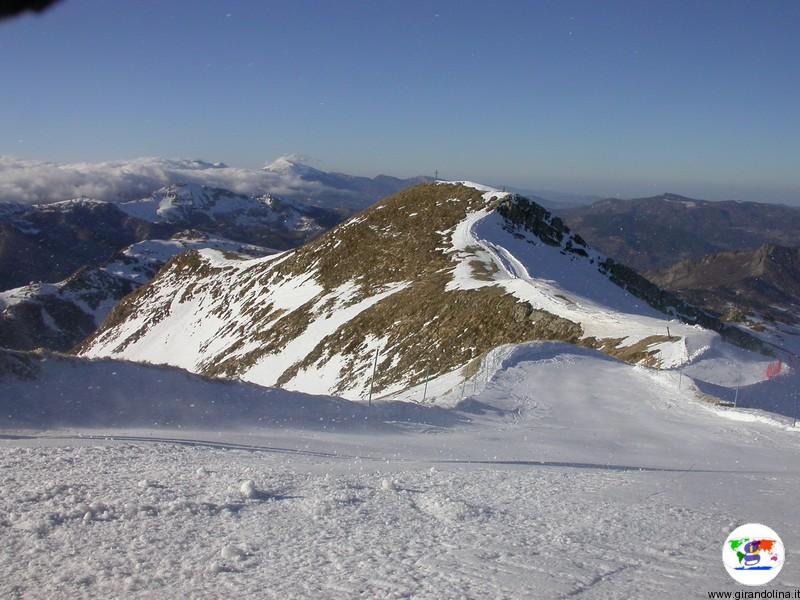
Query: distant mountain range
pixel 736 260
pixel 555 200
pixel 336 191
pixel 652 233
pixel 63 265
pixel 743 285
pixel 48 242
pixel 39 182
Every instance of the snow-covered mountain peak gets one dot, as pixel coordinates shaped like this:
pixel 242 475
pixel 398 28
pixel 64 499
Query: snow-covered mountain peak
pixel 179 201
pixel 234 215
pixel 431 278
pixel 292 164
pixel 79 201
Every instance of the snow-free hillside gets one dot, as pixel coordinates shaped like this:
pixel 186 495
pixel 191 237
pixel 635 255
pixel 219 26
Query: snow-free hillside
pixel 59 315
pixel 564 473
pixel 432 279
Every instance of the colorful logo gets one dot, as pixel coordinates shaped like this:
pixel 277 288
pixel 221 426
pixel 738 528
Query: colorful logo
pixel 753 554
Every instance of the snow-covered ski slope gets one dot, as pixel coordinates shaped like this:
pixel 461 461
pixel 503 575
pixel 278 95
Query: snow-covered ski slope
pixel 51 391
pixel 431 279
pixel 566 474
pixel 570 286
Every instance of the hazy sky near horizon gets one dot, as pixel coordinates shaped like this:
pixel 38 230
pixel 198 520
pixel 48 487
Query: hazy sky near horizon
pixel 610 98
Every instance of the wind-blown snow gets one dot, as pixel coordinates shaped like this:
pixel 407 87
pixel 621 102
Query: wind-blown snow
pixel 566 474
pixel 57 391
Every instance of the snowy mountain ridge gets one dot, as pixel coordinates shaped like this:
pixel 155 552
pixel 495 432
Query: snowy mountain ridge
pixel 192 204
pixel 431 279
pixel 293 165
pixel 60 315
pixel 48 242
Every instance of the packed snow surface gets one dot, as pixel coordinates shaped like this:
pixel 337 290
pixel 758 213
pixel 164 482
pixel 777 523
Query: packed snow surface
pixel 566 474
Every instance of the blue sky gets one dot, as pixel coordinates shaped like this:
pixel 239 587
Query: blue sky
pixel 610 98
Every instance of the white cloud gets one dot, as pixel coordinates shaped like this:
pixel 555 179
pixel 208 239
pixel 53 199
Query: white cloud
pixel 33 181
